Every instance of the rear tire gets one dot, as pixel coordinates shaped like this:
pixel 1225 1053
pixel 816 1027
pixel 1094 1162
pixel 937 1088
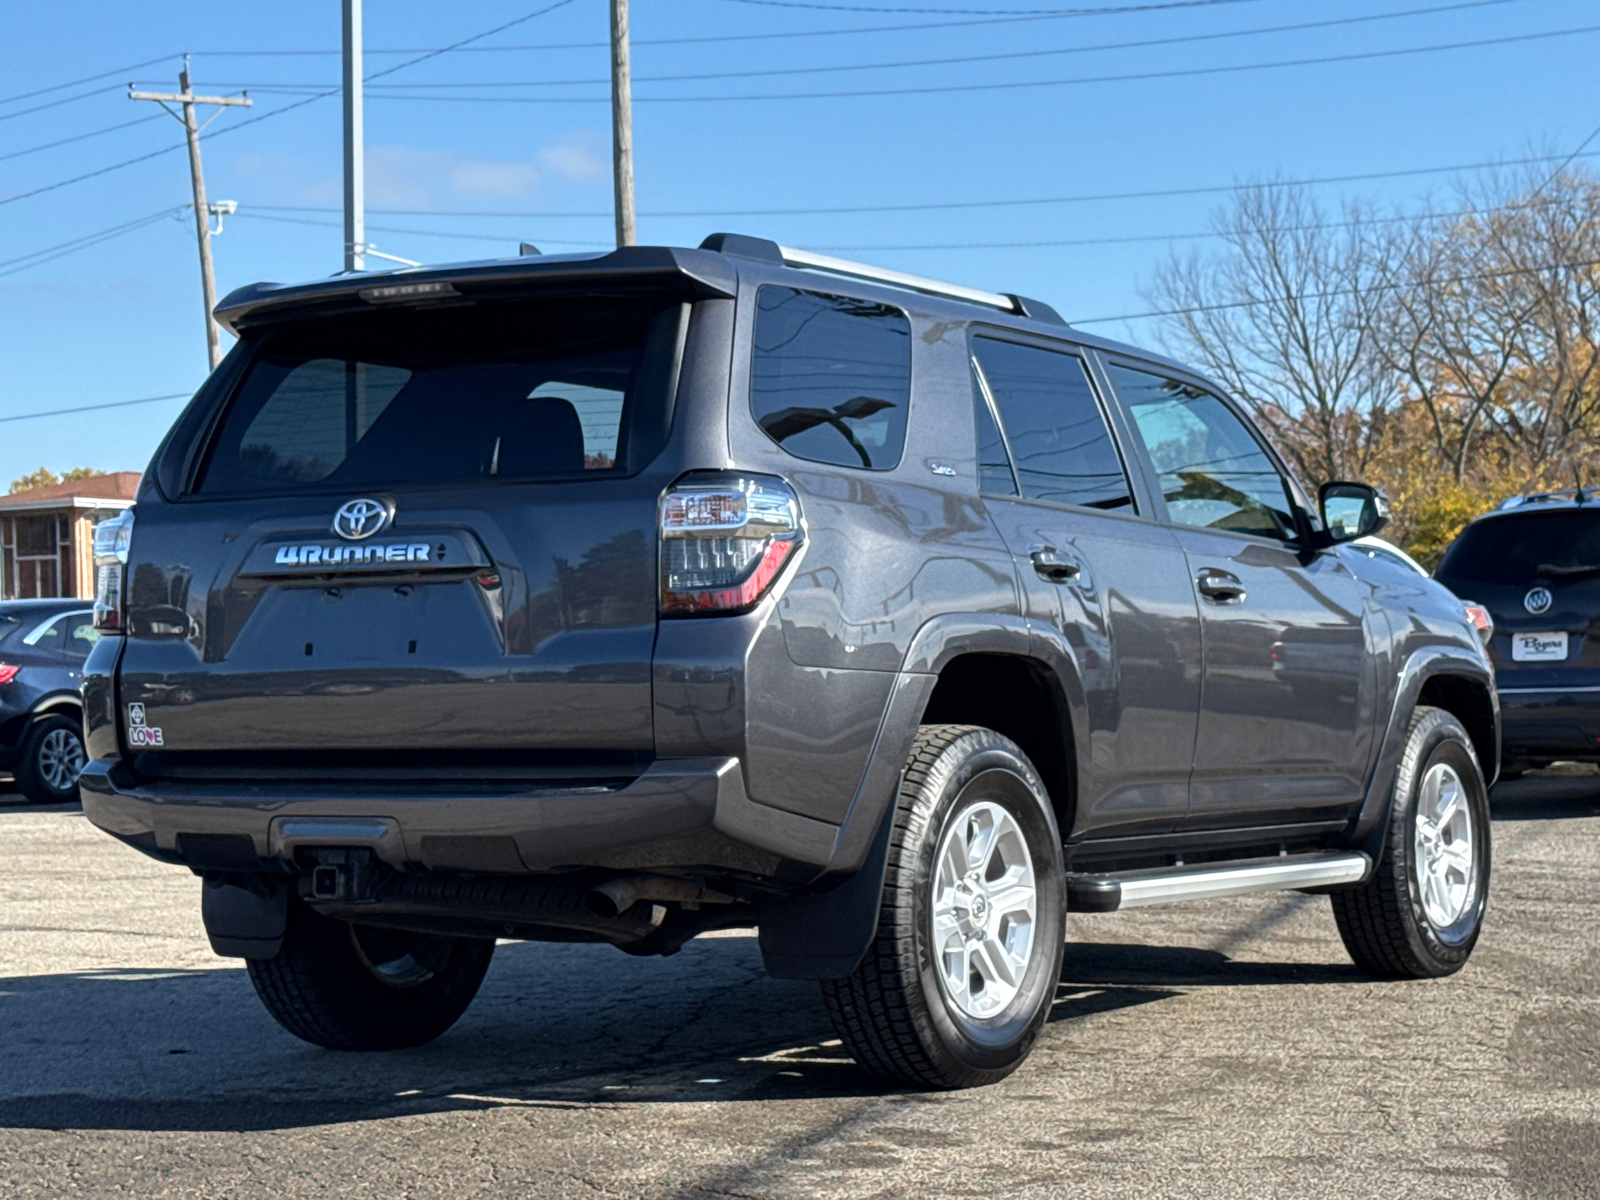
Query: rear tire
pixel 358 987
pixel 51 760
pixel 1420 914
pixel 957 984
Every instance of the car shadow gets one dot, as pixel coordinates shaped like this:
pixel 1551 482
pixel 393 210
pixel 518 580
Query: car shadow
pixel 554 1026
pixel 1545 797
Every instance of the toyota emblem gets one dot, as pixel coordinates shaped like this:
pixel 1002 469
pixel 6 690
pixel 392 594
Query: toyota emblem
pixel 1538 600
pixel 358 519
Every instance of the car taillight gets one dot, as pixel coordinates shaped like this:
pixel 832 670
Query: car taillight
pixel 724 540
pixel 1480 620
pixel 111 539
pixel 8 672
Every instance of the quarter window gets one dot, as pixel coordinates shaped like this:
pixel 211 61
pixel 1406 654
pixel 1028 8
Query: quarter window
pixel 1058 438
pixel 1214 474
pixel 830 379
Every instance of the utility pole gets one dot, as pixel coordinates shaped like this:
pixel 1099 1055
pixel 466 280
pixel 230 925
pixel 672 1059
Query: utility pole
pixel 621 123
pixel 202 212
pixel 355 171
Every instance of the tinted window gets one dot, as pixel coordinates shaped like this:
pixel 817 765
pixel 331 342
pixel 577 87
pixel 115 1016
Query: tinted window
pixel 1058 439
pixel 1520 548
pixel 81 635
pixel 830 379
pixel 994 466
pixel 1214 473
pixel 438 396
pixel 50 638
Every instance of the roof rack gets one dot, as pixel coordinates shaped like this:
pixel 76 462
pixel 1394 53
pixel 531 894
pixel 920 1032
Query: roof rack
pixel 764 250
pixel 1577 495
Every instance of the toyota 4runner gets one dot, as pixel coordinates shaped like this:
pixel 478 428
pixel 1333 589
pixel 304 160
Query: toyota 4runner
pixel 626 596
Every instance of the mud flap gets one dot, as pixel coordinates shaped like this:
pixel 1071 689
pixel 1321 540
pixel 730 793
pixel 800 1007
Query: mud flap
pixel 245 915
pixel 824 935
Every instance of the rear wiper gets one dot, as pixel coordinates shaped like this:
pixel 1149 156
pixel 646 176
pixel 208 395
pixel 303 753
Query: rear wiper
pixel 1551 571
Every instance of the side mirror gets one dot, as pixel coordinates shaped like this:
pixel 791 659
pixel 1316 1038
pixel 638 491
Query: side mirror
pixel 1351 510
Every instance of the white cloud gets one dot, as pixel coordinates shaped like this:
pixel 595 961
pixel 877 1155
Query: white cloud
pixel 575 156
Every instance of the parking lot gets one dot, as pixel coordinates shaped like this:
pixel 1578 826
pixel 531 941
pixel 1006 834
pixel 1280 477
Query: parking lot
pixel 1219 1049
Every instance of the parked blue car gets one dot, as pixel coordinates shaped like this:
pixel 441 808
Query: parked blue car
pixel 43 644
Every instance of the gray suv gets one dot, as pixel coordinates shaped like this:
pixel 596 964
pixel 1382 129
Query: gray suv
pixel 623 597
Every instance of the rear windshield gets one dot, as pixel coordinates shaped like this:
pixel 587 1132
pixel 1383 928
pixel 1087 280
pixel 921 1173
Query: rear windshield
pixel 1522 548
pixel 553 389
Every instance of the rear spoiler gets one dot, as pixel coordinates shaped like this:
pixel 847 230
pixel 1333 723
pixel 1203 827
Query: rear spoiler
pixel 701 273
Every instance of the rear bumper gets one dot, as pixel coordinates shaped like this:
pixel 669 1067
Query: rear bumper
pixel 1550 723
pixel 685 812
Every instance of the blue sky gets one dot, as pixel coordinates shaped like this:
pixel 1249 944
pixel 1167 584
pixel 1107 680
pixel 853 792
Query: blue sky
pixel 120 320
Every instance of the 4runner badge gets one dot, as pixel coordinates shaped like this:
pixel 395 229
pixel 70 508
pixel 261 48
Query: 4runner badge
pixel 140 734
pixel 359 519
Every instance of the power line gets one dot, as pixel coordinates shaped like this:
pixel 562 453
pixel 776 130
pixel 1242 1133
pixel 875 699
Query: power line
pixel 1083 198
pixel 700 39
pixel 50 187
pixel 1472 277
pixel 1007 85
pixel 1117 10
pixel 80 137
pixel 957 60
pixel 61 412
pixel 119 73
pixel 473 237
pixel 83 242
pixel 22 112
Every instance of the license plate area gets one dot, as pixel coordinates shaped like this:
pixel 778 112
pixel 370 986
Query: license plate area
pixel 1538 647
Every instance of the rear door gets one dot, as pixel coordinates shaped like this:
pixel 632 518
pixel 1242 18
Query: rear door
pixel 413 532
pixel 1112 582
pixel 1287 710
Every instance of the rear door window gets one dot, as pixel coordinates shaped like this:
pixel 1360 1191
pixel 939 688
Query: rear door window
pixel 1060 445
pixel 830 377
pixel 456 395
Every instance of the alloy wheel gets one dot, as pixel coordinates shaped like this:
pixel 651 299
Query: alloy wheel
pixel 61 759
pixel 984 904
pixel 1443 858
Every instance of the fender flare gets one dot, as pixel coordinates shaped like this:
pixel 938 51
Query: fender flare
pixel 1421 665
pixel 823 933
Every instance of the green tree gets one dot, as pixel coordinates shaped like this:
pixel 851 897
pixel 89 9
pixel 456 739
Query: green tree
pixel 44 477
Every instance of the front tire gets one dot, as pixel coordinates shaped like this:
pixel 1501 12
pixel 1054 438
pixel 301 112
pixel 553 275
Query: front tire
pixel 1420 914
pixel 51 761
pixel 971 926
pixel 358 987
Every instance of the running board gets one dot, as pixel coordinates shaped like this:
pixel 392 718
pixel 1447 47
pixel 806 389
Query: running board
pixel 1204 881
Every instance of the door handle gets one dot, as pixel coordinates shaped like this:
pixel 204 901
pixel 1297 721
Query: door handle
pixel 1051 565
pixel 1219 587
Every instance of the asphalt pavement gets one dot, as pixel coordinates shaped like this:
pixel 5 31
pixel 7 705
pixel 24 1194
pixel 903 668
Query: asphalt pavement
pixel 1213 1050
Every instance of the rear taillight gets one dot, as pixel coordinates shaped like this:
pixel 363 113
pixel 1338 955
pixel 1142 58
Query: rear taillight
pixel 724 540
pixel 111 539
pixel 1478 616
pixel 8 672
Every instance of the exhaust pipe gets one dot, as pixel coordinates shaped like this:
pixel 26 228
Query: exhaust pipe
pixel 617 896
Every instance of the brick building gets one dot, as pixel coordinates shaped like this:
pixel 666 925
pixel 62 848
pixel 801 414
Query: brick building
pixel 47 534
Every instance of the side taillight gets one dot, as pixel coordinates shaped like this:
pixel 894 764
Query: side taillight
pixel 111 540
pixel 1478 616
pixel 724 540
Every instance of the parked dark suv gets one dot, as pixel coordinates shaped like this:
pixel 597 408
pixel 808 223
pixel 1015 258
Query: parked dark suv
pixel 1534 564
pixel 43 645
pixel 621 597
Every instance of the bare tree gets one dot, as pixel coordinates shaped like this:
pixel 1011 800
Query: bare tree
pixel 1285 317
pixel 1490 318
